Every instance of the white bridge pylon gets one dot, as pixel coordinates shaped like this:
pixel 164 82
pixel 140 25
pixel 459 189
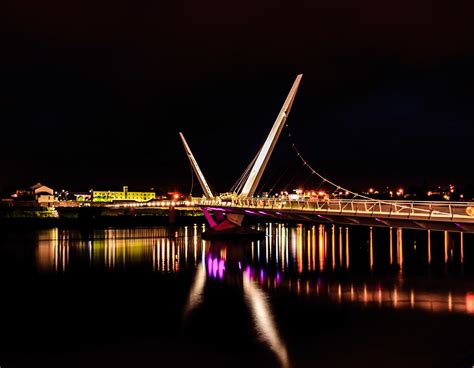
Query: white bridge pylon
pixel 258 166
pixel 202 180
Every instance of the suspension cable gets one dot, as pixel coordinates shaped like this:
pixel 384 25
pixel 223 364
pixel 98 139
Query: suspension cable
pixel 238 185
pixel 338 187
pixel 324 179
pixel 192 183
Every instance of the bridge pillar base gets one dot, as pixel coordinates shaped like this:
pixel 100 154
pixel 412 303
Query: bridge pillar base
pixel 232 232
pixel 229 227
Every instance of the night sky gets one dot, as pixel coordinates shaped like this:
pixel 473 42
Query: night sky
pixel 93 94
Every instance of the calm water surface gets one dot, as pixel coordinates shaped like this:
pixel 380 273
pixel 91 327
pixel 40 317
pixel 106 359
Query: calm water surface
pixel 306 296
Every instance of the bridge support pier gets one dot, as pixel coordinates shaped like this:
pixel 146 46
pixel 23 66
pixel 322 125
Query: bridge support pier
pixel 228 226
pixel 172 215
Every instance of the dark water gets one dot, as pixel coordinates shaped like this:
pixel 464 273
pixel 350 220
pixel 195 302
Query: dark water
pixel 307 296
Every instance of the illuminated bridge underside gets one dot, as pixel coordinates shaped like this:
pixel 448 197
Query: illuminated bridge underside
pixel 412 215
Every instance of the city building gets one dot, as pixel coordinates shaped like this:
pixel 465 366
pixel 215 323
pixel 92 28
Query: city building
pixel 82 196
pixel 43 195
pixel 125 195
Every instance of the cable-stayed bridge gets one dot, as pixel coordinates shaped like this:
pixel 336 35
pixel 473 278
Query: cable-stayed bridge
pixel 226 212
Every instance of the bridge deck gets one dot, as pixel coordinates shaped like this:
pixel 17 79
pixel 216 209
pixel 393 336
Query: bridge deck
pixel 454 216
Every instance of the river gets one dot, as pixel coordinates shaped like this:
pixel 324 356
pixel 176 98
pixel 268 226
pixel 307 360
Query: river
pixel 306 296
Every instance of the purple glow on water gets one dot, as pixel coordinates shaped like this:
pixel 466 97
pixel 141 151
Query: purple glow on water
pixel 278 278
pixel 240 266
pixel 251 212
pixel 209 266
pixel 214 267
pixel 248 271
pixel 261 276
pixel 221 269
pixel 458 224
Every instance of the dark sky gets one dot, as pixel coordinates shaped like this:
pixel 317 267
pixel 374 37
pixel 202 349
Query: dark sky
pixel 94 93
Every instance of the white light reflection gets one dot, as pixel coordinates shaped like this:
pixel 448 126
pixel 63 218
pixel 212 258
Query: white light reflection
pixel 196 291
pixel 52 252
pixel 263 318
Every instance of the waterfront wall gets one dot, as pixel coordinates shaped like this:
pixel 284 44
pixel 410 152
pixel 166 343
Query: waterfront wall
pixel 95 216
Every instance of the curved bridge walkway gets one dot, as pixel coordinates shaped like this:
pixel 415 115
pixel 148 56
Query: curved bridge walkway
pixel 455 216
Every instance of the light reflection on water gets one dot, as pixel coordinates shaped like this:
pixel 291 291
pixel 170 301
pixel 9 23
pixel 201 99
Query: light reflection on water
pixel 338 266
pixel 307 261
pixel 159 249
pixel 264 320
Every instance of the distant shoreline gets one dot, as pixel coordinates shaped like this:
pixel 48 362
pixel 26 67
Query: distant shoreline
pixel 43 217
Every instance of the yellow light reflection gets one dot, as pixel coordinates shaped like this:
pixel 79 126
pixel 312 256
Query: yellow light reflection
pixel 113 248
pixel 400 248
pixel 398 297
pixel 52 251
pixel 277 242
pixel 340 246
pixel 347 247
pixel 299 247
pixel 333 247
pixel 326 244
pixel 391 246
pixel 446 242
pixel 308 248
pixel 186 244
pixel 313 244
pixel 322 256
pixel 371 245
pixel 429 246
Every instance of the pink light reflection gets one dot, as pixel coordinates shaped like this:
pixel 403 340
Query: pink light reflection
pixel 221 269
pixel 214 267
pixel 470 302
pixel 209 266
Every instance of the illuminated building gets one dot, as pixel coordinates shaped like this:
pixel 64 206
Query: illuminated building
pixel 82 196
pixel 43 194
pixel 39 193
pixel 125 195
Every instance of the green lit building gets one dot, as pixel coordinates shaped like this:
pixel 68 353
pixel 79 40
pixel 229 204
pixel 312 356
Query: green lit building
pixel 125 195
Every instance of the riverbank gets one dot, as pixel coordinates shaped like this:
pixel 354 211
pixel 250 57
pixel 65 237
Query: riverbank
pixel 44 217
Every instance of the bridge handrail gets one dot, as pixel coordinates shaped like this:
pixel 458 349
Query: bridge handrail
pixel 435 208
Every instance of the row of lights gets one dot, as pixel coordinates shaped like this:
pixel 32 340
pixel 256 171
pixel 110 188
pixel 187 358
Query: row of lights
pixel 399 192
pixel 157 204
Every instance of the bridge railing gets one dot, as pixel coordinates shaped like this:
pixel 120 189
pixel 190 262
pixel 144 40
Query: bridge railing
pixel 415 209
